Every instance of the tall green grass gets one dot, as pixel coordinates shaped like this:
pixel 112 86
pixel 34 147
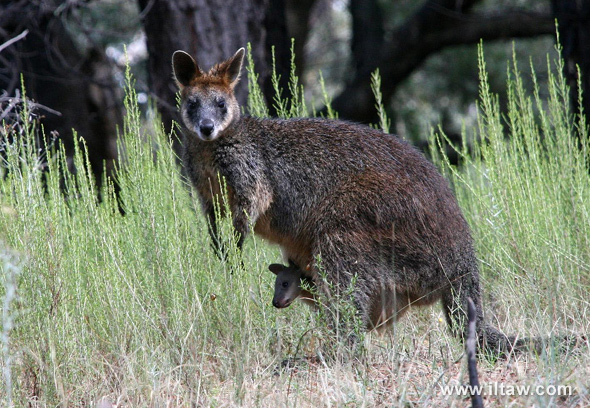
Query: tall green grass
pixel 136 310
pixel 112 304
pixel 525 189
pixel 524 186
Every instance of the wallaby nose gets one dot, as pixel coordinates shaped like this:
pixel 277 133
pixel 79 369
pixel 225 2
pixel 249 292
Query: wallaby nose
pixel 281 303
pixel 206 127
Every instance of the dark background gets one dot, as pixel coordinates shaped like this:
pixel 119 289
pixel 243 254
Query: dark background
pixel 72 59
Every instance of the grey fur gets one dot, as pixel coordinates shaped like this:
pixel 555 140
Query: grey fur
pixel 288 286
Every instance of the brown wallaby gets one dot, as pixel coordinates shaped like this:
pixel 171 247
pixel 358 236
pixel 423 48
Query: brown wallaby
pixel 354 201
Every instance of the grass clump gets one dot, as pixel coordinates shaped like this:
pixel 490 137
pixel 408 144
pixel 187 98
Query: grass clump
pixel 524 186
pixel 125 306
pixel 136 310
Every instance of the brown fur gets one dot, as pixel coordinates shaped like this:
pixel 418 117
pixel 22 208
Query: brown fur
pixel 366 203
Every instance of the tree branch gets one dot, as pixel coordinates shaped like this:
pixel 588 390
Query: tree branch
pixel 508 24
pixel 436 25
pixel 13 40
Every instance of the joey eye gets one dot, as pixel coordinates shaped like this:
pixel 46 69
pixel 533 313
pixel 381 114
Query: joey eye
pixel 221 104
pixel 285 284
pixel 192 105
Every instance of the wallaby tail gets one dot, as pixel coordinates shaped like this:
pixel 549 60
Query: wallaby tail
pixel 493 341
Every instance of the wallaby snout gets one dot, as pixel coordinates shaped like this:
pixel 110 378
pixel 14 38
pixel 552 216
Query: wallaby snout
pixel 206 127
pixel 206 114
pixel 280 303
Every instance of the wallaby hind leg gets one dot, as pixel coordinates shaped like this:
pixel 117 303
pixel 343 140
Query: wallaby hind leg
pixel 455 304
pixel 340 316
pixel 347 283
pixel 388 307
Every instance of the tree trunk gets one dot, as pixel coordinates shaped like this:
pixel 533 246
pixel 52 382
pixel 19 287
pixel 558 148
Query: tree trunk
pixel 277 37
pixel 297 17
pixel 78 87
pixel 573 18
pixel 367 34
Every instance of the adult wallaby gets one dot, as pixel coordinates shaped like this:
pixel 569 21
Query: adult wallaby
pixel 364 203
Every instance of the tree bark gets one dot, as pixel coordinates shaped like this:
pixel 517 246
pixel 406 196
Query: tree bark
pixel 297 19
pixel 367 34
pixel 434 26
pixel 277 38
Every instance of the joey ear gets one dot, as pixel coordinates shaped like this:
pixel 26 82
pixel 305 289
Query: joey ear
pixel 276 268
pixel 185 68
pixel 234 67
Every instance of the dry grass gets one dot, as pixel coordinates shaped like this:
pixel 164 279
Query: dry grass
pixel 392 374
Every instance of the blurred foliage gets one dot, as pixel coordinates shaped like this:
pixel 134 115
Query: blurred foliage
pixel 115 27
pixel 443 91
pixel 105 22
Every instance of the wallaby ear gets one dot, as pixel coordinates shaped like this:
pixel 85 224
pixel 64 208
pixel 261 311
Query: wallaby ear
pixel 234 67
pixel 185 68
pixel 276 268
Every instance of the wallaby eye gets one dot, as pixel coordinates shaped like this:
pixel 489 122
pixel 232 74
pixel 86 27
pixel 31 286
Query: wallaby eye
pixel 285 284
pixel 192 104
pixel 221 104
